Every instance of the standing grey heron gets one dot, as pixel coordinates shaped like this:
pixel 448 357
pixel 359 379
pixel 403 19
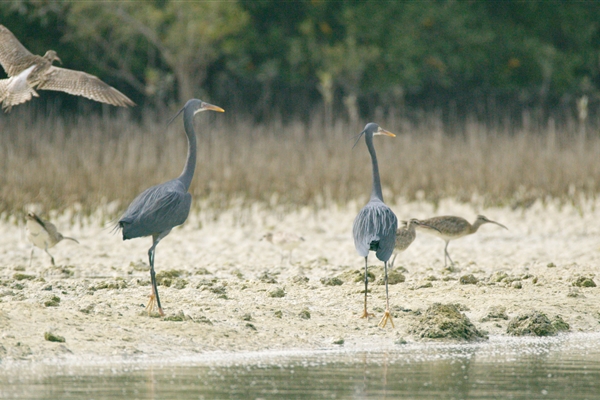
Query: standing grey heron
pixel 375 225
pixel 450 227
pixel 43 234
pixel 406 235
pixel 28 72
pixel 157 210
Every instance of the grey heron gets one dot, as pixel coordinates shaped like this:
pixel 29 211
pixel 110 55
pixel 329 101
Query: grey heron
pixel 157 210
pixel 375 225
pixel 43 234
pixel 450 228
pixel 28 72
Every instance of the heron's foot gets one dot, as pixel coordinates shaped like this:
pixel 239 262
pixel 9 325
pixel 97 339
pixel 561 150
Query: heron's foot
pixel 153 306
pixel 386 316
pixel 367 314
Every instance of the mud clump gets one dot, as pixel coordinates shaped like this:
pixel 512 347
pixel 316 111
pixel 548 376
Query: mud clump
pixel 394 277
pixel 536 323
pixel 583 281
pixel 53 301
pixel 495 313
pixel 51 337
pixel 277 293
pixel 170 278
pixel 468 280
pixel 335 281
pixel 22 277
pixel 445 321
pixel 179 317
pixel 118 283
pixel 266 277
pixel 357 276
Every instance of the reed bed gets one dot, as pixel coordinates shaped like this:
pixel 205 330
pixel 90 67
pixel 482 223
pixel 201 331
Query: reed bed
pixel 90 162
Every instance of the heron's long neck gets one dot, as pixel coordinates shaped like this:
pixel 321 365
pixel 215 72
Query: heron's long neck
pixel 190 164
pixel 376 191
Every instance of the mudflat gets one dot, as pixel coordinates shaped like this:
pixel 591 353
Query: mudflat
pixel 225 290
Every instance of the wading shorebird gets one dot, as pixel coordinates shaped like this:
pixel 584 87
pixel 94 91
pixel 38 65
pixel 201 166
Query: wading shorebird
pixel 405 235
pixel 375 225
pixel 157 210
pixel 28 72
pixel 43 234
pixel 285 241
pixel 450 228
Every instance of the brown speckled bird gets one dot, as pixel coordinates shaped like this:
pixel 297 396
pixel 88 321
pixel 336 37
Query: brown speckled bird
pixel 43 234
pixel 450 227
pixel 28 72
pixel 407 234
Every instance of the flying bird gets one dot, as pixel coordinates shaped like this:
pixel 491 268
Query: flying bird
pixel 450 228
pixel 43 234
pixel 28 72
pixel 375 225
pixel 157 210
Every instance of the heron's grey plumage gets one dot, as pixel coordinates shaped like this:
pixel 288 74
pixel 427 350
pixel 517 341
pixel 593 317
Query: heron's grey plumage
pixel 157 210
pixel 375 225
pixel 28 72
pixel 375 230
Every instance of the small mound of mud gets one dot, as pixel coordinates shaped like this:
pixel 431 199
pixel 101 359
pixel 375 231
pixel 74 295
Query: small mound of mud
pixel 495 313
pixel 584 281
pixel 335 281
pixel 536 323
pixel 356 276
pixel 171 278
pixel 468 280
pixel 117 283
pixel 394 277
pixel 445 321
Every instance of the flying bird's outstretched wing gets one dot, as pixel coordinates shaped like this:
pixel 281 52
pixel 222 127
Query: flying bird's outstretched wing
pixel 14 57
pixel 80 83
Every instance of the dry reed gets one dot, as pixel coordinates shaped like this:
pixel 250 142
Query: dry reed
pixel 92 162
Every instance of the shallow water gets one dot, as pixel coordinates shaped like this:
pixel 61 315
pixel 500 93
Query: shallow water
pixel 503 368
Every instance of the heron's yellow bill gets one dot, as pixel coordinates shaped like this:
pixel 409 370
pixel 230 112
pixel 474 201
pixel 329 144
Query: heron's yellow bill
pixel 382 131
pixel 210 107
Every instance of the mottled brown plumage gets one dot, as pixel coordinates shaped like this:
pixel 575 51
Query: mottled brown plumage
pixel 405 235
pixel 450 227
pixel 43 234
pixel 28 72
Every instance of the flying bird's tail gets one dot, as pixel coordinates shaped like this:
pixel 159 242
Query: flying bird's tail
pixel 15 90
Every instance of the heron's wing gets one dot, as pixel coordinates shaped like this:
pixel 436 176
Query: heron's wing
pixel 14 57
pixel 375 223
pixel 157 209
pixel 80 83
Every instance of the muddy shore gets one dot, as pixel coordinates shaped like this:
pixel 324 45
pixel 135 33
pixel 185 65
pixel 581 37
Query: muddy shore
pixel 225 290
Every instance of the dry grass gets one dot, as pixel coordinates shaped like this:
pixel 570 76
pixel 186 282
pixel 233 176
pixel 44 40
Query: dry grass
pixel 93 162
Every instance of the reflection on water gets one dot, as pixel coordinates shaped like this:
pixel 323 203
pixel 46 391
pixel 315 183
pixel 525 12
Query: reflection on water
pixel 563 367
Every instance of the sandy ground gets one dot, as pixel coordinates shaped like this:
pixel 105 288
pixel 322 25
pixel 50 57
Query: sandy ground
pixel 223 299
